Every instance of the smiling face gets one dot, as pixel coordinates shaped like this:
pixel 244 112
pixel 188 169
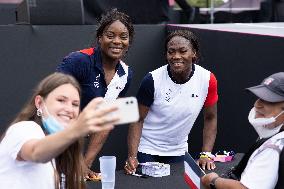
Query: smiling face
pixel 62 103
pixel 114 41
pixel 266 109
pixel 180 55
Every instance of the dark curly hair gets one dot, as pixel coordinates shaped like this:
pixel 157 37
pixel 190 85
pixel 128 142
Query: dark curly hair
pixel 190 36
pixel 111 16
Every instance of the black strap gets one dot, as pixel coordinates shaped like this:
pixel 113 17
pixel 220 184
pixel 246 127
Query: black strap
pixel 236 172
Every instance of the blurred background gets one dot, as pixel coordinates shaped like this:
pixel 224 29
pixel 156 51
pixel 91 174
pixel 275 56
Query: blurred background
pixel 143 12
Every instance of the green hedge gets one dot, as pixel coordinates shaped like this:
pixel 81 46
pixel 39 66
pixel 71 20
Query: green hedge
pixel 203 3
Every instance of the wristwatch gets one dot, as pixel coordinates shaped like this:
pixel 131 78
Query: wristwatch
pixel 212 183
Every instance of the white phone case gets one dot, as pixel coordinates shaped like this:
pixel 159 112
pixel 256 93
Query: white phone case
pixel 127 110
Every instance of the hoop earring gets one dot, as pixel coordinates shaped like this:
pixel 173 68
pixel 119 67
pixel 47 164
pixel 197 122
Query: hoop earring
pixel 39 112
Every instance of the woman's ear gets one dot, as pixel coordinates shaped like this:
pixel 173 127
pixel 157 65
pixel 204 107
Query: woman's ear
pixel 194 58
pixel 99 39
pixel 38 101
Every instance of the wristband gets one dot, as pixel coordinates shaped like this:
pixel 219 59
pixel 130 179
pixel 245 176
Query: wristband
pixel 207 155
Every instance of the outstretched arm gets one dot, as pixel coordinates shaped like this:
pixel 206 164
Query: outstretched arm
pixel 209 135
pixel 221 183
pixel 210 127
pixel 96 143
pixel 91 120
pixel 134 135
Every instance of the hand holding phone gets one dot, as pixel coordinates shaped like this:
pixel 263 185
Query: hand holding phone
pixel 127 111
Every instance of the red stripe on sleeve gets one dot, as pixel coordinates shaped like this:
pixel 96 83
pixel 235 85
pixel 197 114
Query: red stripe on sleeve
pixel 212 96
pixel 88 51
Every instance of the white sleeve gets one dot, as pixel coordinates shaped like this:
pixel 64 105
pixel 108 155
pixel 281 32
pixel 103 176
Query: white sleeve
pixel 262 172
pixel 18 134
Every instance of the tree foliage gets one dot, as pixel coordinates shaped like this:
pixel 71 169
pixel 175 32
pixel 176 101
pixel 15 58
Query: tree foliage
pixel 205 3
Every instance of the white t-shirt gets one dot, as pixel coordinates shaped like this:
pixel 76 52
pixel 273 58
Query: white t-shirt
pixel 173 112
pixel 261 171
pixel 16 174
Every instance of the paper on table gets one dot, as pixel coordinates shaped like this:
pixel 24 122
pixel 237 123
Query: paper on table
pixel 155 169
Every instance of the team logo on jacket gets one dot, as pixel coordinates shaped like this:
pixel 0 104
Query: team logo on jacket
pixel 97 81
pixel 168 95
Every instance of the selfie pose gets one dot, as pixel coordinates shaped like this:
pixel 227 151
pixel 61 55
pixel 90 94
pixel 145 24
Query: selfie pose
pixel 41 148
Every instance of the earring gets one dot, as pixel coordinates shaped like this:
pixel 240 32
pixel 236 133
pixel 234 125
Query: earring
pixel 39 112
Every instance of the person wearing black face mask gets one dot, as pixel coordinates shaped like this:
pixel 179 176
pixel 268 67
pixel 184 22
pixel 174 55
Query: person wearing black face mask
pixel 259 167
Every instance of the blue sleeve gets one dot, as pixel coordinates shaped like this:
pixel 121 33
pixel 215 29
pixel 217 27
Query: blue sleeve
pixel 145 93
pixel 129 79
pixel 73 64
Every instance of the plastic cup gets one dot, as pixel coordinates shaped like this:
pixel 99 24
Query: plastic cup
pixel 107 168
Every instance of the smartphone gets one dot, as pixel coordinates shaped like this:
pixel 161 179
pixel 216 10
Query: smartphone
pixel 127 109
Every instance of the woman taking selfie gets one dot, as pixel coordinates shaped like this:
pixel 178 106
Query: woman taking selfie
pixel 42 148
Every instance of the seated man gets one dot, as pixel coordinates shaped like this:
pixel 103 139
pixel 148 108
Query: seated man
pixel 259 167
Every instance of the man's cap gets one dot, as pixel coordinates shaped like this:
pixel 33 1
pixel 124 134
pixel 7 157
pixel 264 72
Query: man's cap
pixel 271 89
